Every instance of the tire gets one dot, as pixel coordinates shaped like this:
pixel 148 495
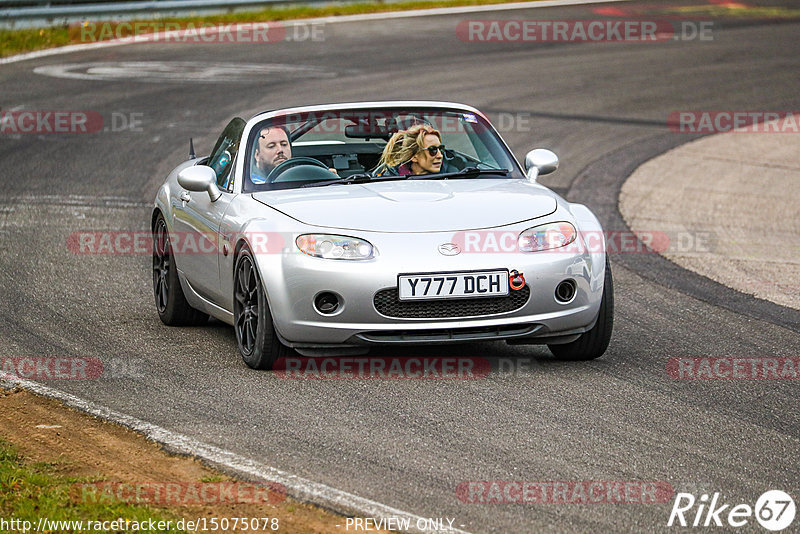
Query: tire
pixel 258 342
pixel 173 310
pixel 592 344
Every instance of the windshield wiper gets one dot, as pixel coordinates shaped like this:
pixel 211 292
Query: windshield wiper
pixel 466 172
pixel 360 178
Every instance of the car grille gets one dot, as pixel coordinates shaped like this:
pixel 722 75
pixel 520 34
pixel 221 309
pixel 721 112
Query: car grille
pixel 387 303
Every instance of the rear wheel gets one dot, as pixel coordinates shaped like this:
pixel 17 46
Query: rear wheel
pixel 592 344
pixel 170 301
pixel 258 342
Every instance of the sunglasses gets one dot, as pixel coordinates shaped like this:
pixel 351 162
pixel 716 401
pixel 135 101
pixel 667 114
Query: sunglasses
pixel 432 150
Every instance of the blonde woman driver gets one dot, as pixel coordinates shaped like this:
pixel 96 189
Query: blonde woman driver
pixel 417 150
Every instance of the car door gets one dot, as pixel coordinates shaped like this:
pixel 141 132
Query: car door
pixel 198 218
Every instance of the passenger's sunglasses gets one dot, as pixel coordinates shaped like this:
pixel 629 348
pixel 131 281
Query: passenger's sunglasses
pixel 432 150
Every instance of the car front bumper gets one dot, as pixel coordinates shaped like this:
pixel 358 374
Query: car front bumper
pixel 293 280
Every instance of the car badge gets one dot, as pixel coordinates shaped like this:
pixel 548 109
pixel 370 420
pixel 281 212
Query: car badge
pixel 449 249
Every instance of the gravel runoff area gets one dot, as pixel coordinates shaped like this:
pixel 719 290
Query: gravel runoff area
pixel 730 204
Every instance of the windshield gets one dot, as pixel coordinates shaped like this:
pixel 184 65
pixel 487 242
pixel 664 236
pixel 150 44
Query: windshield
pixel 297 150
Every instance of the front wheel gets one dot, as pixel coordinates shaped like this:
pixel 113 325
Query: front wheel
pixel 258 342
pixel 171 304
pixel 592 344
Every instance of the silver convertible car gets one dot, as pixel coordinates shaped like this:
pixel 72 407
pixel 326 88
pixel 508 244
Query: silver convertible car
pixel 327 230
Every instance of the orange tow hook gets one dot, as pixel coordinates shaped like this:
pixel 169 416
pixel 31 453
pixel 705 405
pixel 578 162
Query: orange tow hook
pixel 516 281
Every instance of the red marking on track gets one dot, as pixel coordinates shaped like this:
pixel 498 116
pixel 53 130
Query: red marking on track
pixel 727 3
pixel 610 11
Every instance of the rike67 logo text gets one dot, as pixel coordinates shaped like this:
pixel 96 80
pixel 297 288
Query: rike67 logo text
pixel 774 510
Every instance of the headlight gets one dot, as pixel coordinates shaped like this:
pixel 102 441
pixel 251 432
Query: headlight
pixel 546 237
pixel 334 247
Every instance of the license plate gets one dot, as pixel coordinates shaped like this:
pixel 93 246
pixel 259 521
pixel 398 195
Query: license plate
pixel 452 285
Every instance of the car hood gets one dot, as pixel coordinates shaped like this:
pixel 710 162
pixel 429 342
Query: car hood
pixel 415 205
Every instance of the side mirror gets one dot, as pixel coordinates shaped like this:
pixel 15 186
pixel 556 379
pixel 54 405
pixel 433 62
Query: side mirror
pixel 200 178
pixel 539 162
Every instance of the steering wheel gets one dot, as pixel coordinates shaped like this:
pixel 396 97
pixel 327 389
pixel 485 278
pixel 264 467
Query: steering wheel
pixel 453 160
pixel 300 168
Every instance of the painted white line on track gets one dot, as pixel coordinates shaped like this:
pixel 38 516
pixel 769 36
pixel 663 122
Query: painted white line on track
pixel 60 50
pixel 297 487
pixel 454 10
pixel 331 20
pixel 84 201
pixel 181 71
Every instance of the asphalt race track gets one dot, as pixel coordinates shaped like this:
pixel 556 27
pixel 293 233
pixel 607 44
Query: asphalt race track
pixel 602 107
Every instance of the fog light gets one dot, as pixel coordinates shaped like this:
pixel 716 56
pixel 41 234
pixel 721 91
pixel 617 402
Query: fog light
pixel 326 303
pixel 565 291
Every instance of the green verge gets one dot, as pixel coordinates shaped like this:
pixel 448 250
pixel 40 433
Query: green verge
pixel 17 41
pixel 31 492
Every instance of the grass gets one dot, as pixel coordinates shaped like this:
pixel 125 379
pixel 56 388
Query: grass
pixel 29 492
pixel 16 41
pixel 212 478
pixel 29 39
